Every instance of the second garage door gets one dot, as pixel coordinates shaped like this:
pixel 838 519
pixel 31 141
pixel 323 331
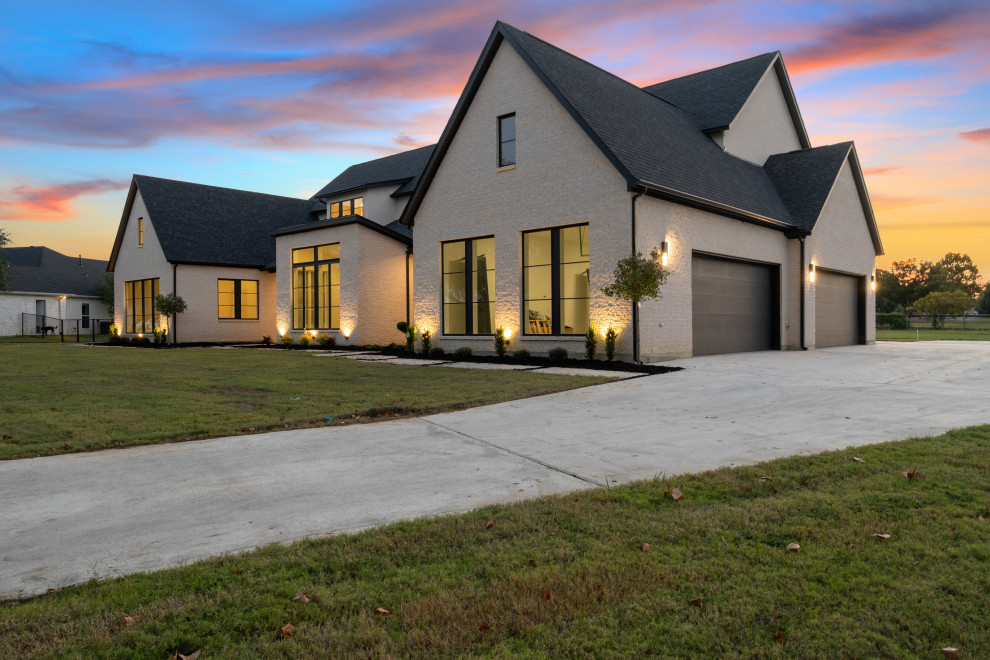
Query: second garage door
pixel 736 306
pixel 838 311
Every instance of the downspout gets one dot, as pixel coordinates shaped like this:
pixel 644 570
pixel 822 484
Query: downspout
pixel 635 305
pixel 408 293
pixel 174 316
pixel 801 280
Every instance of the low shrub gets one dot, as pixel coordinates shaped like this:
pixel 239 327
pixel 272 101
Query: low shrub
pixel 287 340
pixel 893 320
pixel 463 352
pixel 590 342
pixel 610 336
pixel 521 354
pixel 557 354
pixel 122 340
pixel 304 340
pixel 437 352
pixel 142 341
pixel 426 338
pixel 501 343
pixel 326 340
pixel 266 340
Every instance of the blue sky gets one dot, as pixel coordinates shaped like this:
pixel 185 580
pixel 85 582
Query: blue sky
pixel 280 97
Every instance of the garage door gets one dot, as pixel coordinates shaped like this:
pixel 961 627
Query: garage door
pixel 736 306
pixel 838 310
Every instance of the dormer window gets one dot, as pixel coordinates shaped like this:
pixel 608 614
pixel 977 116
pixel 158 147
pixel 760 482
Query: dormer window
pixel 507 140
pixel 346 207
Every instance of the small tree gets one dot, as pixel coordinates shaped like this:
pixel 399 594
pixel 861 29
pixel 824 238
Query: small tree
pixel 4 241
pixel 168 305
pixel 941 303
pixel 590 342
pixel 983 302
pixel 501 343
pixel 636 277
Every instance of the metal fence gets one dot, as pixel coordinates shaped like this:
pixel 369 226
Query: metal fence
pixel 82 329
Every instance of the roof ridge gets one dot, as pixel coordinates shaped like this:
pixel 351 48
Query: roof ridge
pixel 206 185
pixel 715 68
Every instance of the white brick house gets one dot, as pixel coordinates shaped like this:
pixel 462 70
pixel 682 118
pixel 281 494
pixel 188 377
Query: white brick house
pixel 548 172
pixel 716 166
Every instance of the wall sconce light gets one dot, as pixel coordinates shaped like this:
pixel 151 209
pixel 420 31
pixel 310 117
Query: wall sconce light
pixel 507 333
pixel 811 273
pixel 347 333
pixel 873 282
pixel 664 251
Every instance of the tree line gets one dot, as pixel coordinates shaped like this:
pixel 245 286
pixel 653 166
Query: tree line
pixel 946 287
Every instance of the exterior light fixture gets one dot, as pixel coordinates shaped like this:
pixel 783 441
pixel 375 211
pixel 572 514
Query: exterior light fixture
pixel 313 332
pixel 507 333
pixel 664 252
pixel 347 333
pixel 811 273
pixel 873 282
pixel 281 332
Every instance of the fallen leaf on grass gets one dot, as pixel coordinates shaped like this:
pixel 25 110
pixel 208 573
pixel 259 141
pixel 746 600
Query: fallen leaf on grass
pixel 880 536
pixel 645 547
pixel 382 611
pixel 238 572
pixel 778 637
pixel 913 474
pixel 484 626
pixel 696 602
pixel 129 620
pixel 301 597
pixel 858 459
pixel 547 593
pixel 8 437
pixel 287 630
pixel 766 478
pixel 774 490
pixel 950 653
pixel 776 622
pixel 191 656
pixel 491 523
pixel 676 494
pixel 793 547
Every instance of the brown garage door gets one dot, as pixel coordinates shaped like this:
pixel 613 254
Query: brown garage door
pixel 838 309
pixel 736 306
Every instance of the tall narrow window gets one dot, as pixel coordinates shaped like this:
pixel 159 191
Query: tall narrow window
pixel 140 232
pixel 507 140
pixel 85 315
pixel 316 287
pixel 556 281
pixel 237 299
pixel 139 305
pixel 469 286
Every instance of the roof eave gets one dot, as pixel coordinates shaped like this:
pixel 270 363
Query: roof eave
pixel 664 192
pixel 119 238
pixel 349 220
pixel 864 197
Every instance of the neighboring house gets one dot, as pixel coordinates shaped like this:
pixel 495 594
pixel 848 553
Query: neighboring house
pixel 47 287
pixel 550 170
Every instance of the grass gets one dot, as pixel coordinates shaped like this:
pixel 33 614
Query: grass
pixel 63 398
pixel 568 576
pixel 931 334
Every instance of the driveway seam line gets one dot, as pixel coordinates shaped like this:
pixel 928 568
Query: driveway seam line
pixel 515 453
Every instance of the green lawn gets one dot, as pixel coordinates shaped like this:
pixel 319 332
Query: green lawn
pixel 59 398
pixel 929 334
pixel 569 575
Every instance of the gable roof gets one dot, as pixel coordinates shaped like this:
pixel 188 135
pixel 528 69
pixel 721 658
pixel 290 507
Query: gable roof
pixel 652 143
pixel 715 96
pixel 657 147
pixel 805 179
pixel 38 269
pixel 402 168
pixel 208 225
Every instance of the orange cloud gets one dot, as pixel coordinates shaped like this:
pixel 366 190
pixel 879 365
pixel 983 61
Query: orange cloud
pixel 52 203
pixel 868 171
pixel 979 135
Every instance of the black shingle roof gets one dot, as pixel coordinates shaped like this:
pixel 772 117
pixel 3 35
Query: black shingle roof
pixel 804 179
pixel 220 226
pixel 651 141
pixel 714 97
pixel 401 168
pixel 39 269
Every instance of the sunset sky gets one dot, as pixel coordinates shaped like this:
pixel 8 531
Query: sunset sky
pixel 279 97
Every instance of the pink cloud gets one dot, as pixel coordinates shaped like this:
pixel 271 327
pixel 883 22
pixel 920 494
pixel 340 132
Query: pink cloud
pixel 868 171
pixel 52 203
pixel 979 135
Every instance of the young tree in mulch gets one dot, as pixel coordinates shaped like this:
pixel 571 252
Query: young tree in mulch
pixel 637 277
pixel 168 305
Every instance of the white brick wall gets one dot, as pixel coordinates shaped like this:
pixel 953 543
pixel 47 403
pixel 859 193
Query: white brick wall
pixel 136 262
pixel 560 178
pixel 763 126
pixel 379 205
pixel 14 304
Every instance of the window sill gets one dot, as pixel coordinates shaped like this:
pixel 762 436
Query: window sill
pixel 506 168
pixel 551 337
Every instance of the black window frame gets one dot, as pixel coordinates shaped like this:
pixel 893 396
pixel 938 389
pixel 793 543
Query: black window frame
pixel 340 206
pixel 140 232
pixel 238 316
pixel 502 142
pixel 84 314
pixel 469 288
pixel 555 288
pixel 130 315
pixel 316 263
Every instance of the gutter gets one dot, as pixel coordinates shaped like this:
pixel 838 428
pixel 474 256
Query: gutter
pixel 408 292
pixel 175 335
pixel 635 305
pixel 801 282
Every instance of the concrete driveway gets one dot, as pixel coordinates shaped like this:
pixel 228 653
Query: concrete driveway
pixel 64 519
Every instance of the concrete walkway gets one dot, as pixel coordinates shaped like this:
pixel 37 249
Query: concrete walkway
pixel 64 519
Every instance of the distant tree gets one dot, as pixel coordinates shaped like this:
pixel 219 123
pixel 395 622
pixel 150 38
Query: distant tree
pixel 983 302
pixel 910 280
pixel 104 289
pixel 943 303
pixel 4 241
pixel 954 272
pixel 168 305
